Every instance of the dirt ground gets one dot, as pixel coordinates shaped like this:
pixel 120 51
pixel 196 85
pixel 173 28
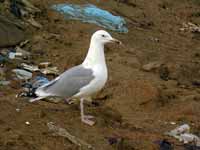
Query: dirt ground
pixel 136 107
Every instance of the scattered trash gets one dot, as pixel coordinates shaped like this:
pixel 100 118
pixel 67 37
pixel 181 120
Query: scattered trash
pixel 2 59
pixel 2 74
pixel 23 52
pixel 23 43
pixel 22 74
pixel 30 87
pixel 14 8
pixel 39 81
pixel 47 68
pixel 185 128
pixel 29 6
pixel 21 8
pixel 50 70
pixel 188 138
pixel 92 14
pixel 164 145
pixel 13 55
pixel 64 133
pixel 190 27
pixel 44 64
pixel 34 23
pixel 182 133
pixel 44 68
pixel 31 68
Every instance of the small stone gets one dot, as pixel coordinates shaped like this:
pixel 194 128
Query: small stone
pixel 27 123
pixel 172 123
pixel 151 66
pixel 17 110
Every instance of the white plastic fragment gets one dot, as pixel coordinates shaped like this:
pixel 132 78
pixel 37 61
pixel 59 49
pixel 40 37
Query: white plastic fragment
pixel 22 74
pixel 27 123
pixel 50 70
pixel 172 123
pixel 182 133
pixel 12 55
pixel 30 67
pixel 17 110
pixel 185 128
pixel 23 52
pixel 188 138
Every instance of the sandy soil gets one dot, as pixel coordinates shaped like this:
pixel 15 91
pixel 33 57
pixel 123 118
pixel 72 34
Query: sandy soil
pixel 136 106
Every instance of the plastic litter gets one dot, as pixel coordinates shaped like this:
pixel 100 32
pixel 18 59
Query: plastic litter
pixel 13 55
pixel 23 52
pixel 27 123
pixel 185 128
pixel 39 81
pixel 182 133
pixel 30 67
pixel 22 74
pixel 44 68
pixel 4 82
pixel 44 64
pixel 188 138
pixel 190 27
pixel 34 23
pixel 14 8
pixel 30 87
pixel 3 59
pixel 50 70
pixel 92 14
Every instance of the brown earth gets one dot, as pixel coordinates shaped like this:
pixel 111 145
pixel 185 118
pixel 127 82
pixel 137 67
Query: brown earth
pixel 136 106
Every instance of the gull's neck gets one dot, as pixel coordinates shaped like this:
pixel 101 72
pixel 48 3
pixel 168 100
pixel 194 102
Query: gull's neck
pixel 95 54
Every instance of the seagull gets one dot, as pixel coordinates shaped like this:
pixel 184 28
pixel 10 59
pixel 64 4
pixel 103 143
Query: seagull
pixel 84 80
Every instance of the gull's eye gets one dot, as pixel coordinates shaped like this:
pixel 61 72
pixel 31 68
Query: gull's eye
pixel 103 35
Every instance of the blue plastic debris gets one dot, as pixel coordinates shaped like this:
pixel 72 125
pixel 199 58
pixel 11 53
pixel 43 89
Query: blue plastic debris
pixel 92 14
pixel 14 8
pixel 2 59
pixel 30 87
pixel 39 81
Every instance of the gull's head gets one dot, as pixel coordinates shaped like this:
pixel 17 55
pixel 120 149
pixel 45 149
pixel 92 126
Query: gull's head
pixel 104 37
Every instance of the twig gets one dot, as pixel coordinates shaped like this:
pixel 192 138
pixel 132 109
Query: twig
pixel 63 132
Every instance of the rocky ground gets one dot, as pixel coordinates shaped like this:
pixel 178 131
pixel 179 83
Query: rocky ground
pixel 153 86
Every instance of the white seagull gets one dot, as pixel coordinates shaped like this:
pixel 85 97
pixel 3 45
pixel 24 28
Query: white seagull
pixel 84 80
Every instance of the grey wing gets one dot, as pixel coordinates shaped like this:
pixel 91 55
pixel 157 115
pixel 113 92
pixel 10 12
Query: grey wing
pixel 69 83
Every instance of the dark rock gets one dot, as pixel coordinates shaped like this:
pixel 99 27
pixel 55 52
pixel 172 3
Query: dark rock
pixel 196 83
pixel 164 72
pixel 164 145
pixel 191 147
pixel 10 31
pixel 14 8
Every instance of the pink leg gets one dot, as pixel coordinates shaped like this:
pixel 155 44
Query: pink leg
pixel 85 118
